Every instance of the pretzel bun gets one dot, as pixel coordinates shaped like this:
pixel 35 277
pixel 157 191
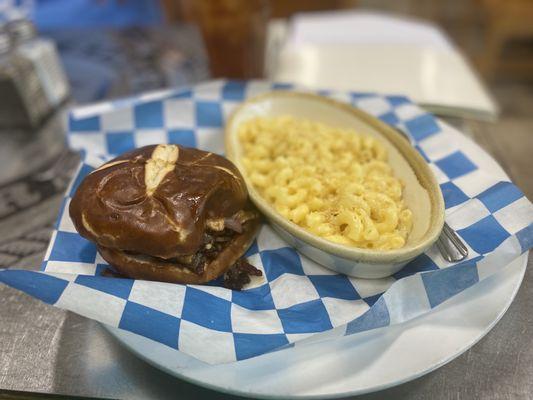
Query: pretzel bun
pixel 150 209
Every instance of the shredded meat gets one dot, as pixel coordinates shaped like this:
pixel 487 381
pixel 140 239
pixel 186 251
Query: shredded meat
pixel 233 223
pixel 239 274
pixel 109 273
pixel 214 242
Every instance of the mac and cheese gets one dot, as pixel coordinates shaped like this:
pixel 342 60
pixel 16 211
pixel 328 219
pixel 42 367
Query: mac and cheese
pixel 333 182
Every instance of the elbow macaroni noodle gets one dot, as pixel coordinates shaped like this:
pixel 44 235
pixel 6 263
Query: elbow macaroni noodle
pixel 333 182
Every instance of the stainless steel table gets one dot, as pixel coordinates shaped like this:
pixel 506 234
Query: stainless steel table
pixel 50 351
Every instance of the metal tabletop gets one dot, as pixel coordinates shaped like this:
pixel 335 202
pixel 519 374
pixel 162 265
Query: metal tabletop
pixel 50 351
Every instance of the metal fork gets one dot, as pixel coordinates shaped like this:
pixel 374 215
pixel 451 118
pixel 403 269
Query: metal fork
pixel 450 245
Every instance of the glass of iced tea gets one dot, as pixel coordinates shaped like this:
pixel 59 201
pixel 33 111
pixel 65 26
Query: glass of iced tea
pixel 234 33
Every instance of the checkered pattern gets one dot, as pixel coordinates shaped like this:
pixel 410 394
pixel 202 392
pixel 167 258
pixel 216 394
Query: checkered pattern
pixel 297 301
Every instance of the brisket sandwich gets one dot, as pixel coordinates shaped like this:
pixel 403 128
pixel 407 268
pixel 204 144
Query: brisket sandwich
pixel 168 213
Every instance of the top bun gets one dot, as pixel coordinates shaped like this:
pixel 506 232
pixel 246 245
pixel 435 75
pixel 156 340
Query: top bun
pixel 157 200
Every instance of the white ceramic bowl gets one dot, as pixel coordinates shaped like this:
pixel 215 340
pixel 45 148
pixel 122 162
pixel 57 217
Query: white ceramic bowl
pixel 421 194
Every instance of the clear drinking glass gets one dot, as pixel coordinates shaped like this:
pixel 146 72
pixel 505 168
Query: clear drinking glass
pixel 234 33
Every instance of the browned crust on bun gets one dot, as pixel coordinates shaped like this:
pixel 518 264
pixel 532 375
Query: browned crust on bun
pixel 149 268
pixel 157 200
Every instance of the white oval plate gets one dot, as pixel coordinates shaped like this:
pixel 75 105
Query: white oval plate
pixel 361 363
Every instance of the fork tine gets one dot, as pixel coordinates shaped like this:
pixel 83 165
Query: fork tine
pixel 444 250
pixel 459 245
pixel 451 246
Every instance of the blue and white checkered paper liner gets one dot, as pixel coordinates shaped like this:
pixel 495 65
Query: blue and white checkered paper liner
pixel 297 301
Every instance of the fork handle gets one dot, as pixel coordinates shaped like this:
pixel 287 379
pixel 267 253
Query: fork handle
pixel 451 246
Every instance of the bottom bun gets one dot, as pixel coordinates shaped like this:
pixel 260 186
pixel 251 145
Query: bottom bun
pixel 139 266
